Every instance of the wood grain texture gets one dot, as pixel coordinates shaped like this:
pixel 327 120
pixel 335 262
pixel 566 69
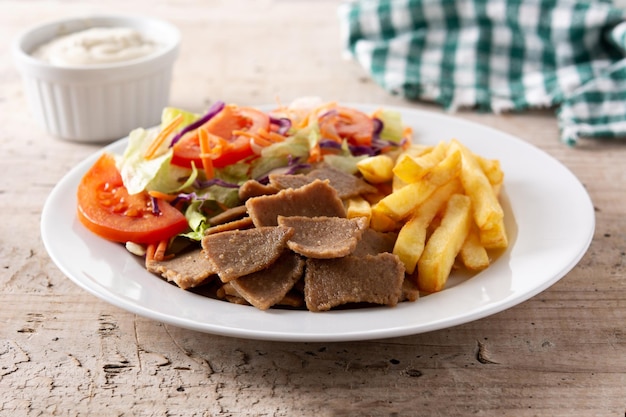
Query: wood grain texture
pixel 64 352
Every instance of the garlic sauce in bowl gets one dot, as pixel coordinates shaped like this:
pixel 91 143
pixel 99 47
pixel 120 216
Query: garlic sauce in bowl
pixel 94 79
pixel 97 45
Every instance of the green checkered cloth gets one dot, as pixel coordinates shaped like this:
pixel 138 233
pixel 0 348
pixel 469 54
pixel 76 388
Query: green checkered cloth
pixel 498 55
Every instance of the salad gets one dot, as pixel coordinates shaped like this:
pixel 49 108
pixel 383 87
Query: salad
pixel 170 181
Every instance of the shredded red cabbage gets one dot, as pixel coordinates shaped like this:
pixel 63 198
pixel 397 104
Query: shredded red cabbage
pixel 355 150
pixel 379 143
pixel 293 166
pixel 358 150
pixel 214 181
pixel 284 124
pixel 378 127
pixel 213 110
pixel 328 113
pixel 184 197
pixel 155 206
pixel 329 144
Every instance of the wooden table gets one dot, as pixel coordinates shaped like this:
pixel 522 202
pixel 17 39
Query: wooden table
pixel 65 352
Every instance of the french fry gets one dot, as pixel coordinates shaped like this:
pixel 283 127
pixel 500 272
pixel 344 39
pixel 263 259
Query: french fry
pixel 486 207
pixel 450 167
pixel 492 170
pixel 400 203
pixel 442 248
pixel 496 189
pixel 433 226
pixel 444 204
pixel 382 223
pixel 358 207
pixel 376 169
pixel 473 254
pixel 415 150
pixel 494 237
pixel 411 168
pixel 412 236
pixel 397 183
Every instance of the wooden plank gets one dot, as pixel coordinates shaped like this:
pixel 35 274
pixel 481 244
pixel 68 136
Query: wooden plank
pixel 65 352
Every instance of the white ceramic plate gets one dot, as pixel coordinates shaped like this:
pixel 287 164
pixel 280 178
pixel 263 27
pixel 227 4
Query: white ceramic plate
pixel 549 216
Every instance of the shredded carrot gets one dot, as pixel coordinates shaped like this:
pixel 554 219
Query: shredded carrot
pixel 407 132
pixel 243 133
pixel 162 196
pixel 159 253
pixel 156 251
pixel 150 250
pixel 327 126
pixel 163 134
pixel 271 136
pixel 304 121
pixel 205 153
pixel 255 137
pixel 262 137
pixel 261 141
pixel 328 131
pixel 314 112
pixel 315 153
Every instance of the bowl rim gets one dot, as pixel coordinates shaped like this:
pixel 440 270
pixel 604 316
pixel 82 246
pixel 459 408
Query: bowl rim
pixel 24 58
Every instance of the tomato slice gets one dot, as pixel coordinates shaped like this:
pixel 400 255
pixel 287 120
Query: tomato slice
pixel 106 208
pixel 350 124
pixel 355 126
pixel 231 118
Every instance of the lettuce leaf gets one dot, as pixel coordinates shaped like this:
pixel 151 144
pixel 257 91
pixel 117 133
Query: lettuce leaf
pixel 136 171
pixel 197 221
pixel 158 174
pixel 393 129
pixel 169 113
pixel 278 155
pixel 232 174
pixel 169 178
pixel 344 161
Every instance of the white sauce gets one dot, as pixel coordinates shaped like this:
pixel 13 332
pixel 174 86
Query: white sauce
pixel 95 46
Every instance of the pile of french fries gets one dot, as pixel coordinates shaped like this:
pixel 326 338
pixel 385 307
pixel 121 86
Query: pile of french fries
pixel 443 202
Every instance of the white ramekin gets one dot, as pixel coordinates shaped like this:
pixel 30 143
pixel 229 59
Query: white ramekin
pixel 97 103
